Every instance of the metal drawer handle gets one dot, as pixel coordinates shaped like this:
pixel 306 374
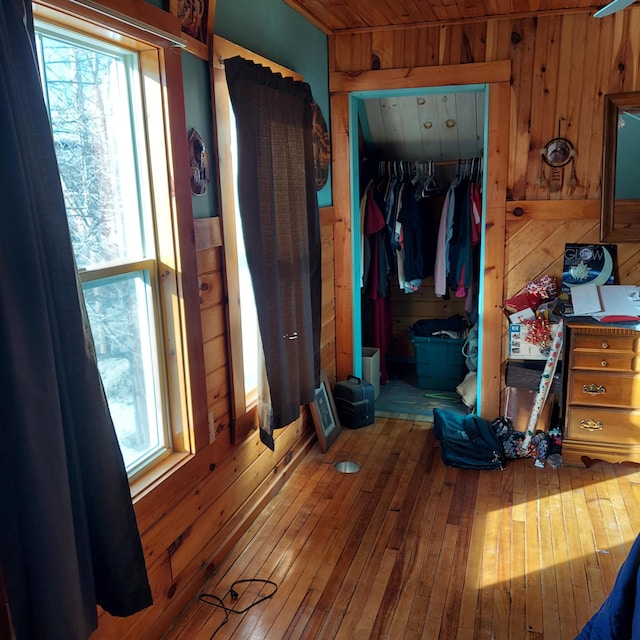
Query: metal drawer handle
pixel 605 345
pixel 603 363
pixel 591 425
pixel 593 389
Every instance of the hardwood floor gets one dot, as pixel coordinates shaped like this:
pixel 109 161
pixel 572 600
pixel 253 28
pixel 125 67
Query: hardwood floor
pixel 409 548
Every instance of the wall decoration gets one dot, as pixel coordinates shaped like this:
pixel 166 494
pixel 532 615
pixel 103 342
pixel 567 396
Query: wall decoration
pixel 200 167
pixel 321 147
pixel 193 15
pixel 557 153
pixel 325 415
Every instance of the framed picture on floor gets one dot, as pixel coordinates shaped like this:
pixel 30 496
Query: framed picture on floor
pixel 325 416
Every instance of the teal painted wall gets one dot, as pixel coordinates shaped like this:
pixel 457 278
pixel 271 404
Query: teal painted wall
pixel 274 30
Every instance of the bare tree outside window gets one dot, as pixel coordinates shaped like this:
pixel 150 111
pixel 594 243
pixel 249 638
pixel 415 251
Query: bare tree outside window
pixel 91 97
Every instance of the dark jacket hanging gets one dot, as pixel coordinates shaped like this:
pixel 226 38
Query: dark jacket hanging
pixel 68 533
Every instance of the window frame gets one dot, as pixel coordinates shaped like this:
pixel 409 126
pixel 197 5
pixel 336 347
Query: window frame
pixel 175 272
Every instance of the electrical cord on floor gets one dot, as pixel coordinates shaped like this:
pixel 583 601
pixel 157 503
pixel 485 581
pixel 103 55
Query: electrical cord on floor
pixel 216 601
pixel 445 395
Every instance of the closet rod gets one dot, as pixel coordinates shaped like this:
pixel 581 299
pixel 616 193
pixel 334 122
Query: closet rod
pixel 414 164
pixel 443 163
pixel 437 163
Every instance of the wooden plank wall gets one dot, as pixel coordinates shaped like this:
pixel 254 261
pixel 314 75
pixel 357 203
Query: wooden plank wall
pixel 410 307
pixel 562 67
pixel 202 509
pixel 328 333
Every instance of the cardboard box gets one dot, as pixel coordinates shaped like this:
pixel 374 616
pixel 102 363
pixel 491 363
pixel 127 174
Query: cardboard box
pixel 520 349
pixel 371 368
pixel 518 406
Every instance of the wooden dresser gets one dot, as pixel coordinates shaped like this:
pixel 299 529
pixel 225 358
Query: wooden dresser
pixel 602 394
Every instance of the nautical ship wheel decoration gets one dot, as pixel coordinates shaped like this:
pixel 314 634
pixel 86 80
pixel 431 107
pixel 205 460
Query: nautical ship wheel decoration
pixel 557 153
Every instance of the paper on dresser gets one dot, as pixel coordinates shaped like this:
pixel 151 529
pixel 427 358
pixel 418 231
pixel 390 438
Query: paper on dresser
pixel 586 300
pixel 619 300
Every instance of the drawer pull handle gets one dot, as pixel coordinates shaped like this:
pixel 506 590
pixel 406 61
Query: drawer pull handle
pixel 603 363
pixel 605 345
pixel 591 425
pixel 593 389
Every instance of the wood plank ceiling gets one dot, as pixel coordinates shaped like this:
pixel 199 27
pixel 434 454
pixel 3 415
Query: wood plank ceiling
pixel 339 16
pixel 446 126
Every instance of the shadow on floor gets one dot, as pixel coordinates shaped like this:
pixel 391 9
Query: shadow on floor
pixel 401 395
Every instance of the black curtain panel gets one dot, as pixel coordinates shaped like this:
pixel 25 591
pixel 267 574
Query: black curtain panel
pixel 281 229
pixel 68 533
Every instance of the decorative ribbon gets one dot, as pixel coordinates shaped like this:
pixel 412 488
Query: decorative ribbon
pixel 543 388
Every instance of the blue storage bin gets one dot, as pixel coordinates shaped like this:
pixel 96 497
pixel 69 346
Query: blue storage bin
pixel 439 362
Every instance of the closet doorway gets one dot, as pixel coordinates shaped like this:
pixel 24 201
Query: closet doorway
pixel 422 147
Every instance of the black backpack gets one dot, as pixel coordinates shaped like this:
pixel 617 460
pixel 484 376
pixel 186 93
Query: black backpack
pixel 467 441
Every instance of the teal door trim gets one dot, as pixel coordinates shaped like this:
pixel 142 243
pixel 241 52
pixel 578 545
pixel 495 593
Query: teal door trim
pixel 356 106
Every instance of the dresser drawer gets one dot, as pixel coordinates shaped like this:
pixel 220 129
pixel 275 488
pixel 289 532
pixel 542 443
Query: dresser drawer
pixel 603 389
pixel 602 395
pixel 602 425
pixel 609 360
pixel 603 342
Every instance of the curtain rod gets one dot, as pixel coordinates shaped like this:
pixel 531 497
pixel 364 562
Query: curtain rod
pixel 132 22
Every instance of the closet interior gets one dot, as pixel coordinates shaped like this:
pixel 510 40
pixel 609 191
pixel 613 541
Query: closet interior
pixel 421 233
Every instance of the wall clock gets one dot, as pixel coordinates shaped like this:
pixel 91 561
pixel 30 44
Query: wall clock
pixel 558 152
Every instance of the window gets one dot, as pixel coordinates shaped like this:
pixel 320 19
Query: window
pixel 105 104
pixel 247 309
pixel 243 323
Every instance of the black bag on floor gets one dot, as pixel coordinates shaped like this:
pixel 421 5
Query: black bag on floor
pixel 467 441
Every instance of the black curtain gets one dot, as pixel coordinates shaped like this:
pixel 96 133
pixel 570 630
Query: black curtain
pixel 281 229
pixel 68 534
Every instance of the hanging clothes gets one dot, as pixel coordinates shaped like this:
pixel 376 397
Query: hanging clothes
pixel 403 234
pixel 441 266
pixel 457 256
pixel 460 242
pixel 419 244
pixel 418 238
pixel 377 281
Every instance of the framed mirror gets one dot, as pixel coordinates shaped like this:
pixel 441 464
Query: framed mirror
pixel 620 210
